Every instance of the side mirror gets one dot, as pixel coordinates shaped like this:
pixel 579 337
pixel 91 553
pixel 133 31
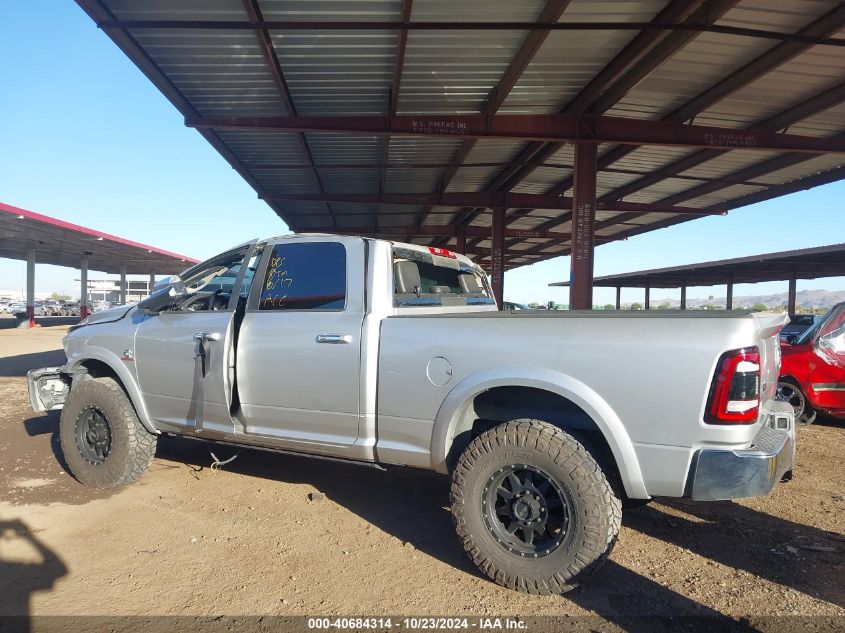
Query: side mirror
pixel 164 297
pixel 177 287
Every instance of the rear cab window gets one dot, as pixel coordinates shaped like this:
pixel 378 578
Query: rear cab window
pixel 432 277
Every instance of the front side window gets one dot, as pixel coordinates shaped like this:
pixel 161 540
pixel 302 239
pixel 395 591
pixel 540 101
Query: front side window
pixel 209 285
pixel 305 276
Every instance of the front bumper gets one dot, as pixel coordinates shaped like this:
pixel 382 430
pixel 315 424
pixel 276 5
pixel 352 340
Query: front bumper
pixel 718 474
pixel 48 388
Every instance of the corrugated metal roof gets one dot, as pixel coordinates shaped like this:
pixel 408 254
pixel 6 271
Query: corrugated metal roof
pixel 218 63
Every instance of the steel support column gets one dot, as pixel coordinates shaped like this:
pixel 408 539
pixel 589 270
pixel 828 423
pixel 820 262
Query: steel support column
pixel 684 297
pixel 618 297
pixel 151 284
pixel 497 256
pixel 461 239
pixel 790 306
pixel 583 227
pixel 647 304
pixel 729 301
pixel 83 287
pixel 30 287
pixel 123 285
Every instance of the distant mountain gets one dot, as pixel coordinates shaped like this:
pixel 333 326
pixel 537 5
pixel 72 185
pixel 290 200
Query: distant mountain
pixel 803 298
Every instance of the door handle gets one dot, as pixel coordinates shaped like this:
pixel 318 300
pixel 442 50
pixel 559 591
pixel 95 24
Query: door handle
pixel 334 338
pixel 206 336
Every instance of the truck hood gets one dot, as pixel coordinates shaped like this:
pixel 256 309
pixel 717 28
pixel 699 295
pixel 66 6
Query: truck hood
pixel 106 316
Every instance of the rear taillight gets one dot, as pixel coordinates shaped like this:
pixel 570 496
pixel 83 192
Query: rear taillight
pixel 735 394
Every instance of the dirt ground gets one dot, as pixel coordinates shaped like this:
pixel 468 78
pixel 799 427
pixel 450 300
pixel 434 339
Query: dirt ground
pixel 246 540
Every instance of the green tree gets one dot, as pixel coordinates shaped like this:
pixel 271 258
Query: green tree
pixel 609 306
pixel 759 307
pixel 59 297
pixel 636 306
pixel 664 306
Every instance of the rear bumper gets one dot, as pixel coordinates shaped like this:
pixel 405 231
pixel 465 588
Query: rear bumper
pixel 718 474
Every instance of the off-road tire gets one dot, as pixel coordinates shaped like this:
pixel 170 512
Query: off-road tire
pixel 596 516
pixel 132 447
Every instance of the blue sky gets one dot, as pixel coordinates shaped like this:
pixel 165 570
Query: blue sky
pixel 85 137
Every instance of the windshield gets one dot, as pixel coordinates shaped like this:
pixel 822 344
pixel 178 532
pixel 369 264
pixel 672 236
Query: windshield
pixel 830 321
pixel 421 279
pixel 802 319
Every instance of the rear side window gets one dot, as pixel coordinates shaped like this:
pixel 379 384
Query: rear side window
pixel 305 276
pixel 429 279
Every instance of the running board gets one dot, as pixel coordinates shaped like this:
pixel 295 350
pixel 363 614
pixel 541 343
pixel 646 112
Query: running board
pixel 283 451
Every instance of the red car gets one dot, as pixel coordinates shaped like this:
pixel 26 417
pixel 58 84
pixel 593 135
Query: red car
pixel 812 373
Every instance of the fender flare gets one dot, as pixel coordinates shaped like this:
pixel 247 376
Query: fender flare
pixel 462 395
pixel 116 365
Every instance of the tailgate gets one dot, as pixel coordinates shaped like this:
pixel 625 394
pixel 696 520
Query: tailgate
pixel 769 325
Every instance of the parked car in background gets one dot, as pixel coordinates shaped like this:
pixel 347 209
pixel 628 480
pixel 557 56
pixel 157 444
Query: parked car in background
pixel 798 324
pixel 510 305
pixel 812 375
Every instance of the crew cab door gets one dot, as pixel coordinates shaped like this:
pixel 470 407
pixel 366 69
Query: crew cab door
pixel 299 349
pixel 184 354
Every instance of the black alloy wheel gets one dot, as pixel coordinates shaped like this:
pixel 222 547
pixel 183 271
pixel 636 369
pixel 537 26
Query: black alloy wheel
pixel 93 435
pixel 525 510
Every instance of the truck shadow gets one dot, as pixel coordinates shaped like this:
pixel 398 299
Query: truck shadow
pixel 775 549
pixel 412 506
pixel 27 565
pixel 22 363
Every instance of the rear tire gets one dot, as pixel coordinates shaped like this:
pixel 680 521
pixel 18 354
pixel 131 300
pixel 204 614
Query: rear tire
pixel 104 443
pixel 789 391
pixel 522 477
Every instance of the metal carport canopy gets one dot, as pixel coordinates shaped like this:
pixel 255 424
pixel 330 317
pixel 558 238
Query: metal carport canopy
pixel 381 117
pixel 65 244
pixel 806 263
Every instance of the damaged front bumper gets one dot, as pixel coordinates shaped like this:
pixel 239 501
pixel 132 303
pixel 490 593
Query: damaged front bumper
pixel 48 388
pixel 718 474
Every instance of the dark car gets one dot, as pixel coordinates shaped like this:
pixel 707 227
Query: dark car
pixel 798 324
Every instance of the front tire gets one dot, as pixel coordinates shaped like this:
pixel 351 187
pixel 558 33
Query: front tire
pixel 104 443
pixel 533 509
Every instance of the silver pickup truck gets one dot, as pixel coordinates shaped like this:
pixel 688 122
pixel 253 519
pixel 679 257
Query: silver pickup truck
pixel 396 354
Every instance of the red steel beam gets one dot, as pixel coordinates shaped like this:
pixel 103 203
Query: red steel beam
pixel 753 171
pixel 310 25
pixel 643 54
pixel 828 24
pixel 819 103
pixel 399 63
pixel 268 51
pixel 544 127
pixel 583 227
pixel 800 184
pixel 488 200
pixel 552 12
pixel 398 67
pixel 497 256
pixel 440 230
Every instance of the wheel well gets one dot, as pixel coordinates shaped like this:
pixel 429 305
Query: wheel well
pixel 503 404
pixel 98 369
